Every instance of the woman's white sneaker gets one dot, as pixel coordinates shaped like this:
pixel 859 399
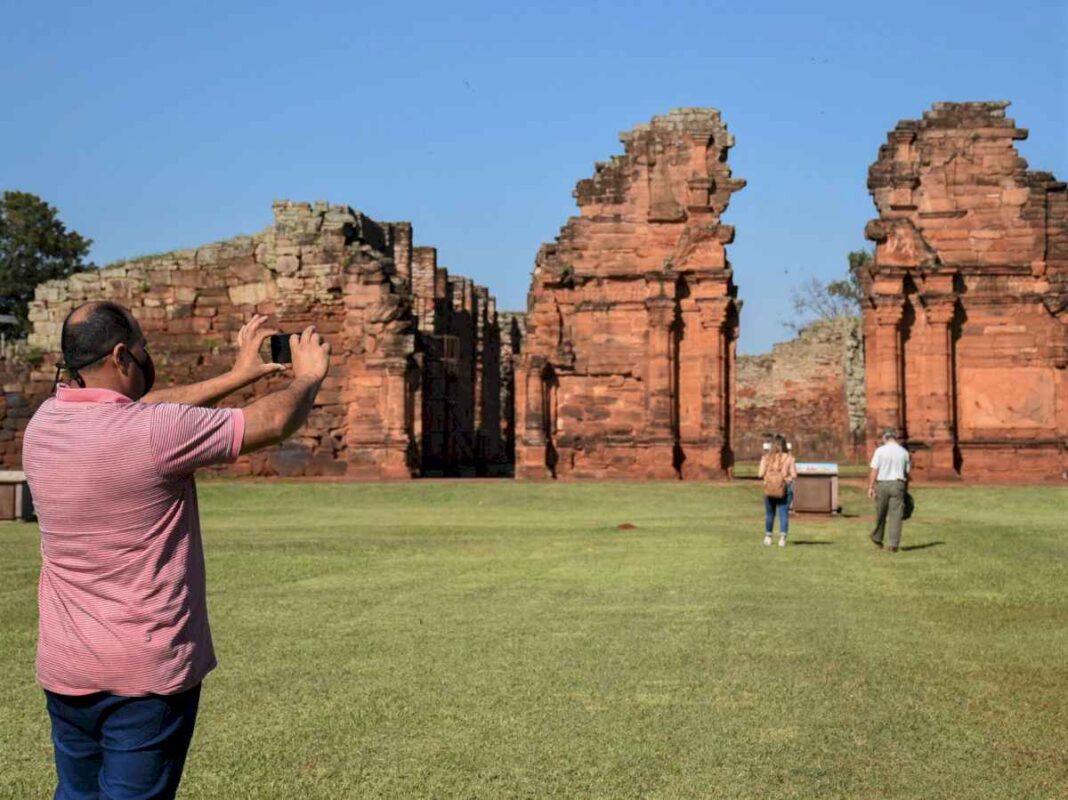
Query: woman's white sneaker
pixel 767 538
pixel 782 541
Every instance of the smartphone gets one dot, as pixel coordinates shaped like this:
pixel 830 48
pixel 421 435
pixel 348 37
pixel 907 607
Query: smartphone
pixel 280 353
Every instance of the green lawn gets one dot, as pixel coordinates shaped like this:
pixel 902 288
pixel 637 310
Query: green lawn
pixel 499 640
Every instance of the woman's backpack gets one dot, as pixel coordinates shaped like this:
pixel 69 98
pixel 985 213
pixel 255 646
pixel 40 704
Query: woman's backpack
pixel 774 478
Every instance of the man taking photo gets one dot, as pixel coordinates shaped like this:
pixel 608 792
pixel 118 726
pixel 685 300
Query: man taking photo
pixel 124 641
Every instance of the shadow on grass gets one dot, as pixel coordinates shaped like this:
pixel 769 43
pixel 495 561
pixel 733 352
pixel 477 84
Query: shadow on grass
pixel 924 546
pixel 809 541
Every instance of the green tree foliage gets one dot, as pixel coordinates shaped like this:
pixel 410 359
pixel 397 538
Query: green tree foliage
pixel 833 300
pixel 35 246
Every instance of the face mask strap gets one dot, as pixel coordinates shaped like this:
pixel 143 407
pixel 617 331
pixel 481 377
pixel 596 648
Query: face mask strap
pixel 147 375
pixel 75 376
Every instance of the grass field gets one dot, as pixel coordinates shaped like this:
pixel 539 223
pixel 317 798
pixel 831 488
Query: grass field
pixel 506 640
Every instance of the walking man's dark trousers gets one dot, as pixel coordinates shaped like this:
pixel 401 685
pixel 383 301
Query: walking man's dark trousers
pixel 889 511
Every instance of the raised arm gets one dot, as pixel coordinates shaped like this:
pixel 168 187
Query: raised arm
pixel 248 368
pixel 279 415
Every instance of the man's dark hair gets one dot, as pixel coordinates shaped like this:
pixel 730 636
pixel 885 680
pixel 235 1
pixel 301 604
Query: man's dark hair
pixel 94 334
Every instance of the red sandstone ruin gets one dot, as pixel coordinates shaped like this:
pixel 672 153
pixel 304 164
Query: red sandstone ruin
pixel 624 365
pixel 414 384
pixel 966 344
pixel 627 367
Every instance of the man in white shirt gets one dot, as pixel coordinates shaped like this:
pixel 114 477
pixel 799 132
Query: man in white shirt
pixel 887 484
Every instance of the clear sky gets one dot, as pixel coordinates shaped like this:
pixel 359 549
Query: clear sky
pixel 153 126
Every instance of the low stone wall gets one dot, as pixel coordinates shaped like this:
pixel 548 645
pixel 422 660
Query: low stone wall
pixel 25 380
pixel 811 389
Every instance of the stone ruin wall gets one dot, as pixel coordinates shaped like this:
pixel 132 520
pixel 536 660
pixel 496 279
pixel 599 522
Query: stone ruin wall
pixel 383 304
pixel 460 355
pixel 967 299
pixel 512 326
pixel 810 389
pixel 25 382
pixel 627 367
pixel 624 364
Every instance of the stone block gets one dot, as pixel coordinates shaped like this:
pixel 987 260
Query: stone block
pixel 249 293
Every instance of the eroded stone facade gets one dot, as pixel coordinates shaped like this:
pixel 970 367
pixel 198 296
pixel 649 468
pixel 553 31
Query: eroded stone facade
pixel 415 351
pixel 810 389
pixel 627 367
pixel 965 319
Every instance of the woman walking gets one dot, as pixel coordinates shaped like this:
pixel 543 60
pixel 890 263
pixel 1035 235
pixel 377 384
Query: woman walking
pixel 778 471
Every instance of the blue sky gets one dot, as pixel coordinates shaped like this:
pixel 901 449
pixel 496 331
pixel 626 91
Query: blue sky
pixel 156 126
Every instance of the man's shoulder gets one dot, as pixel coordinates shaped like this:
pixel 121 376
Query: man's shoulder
pixel 43 409
pixel 891 447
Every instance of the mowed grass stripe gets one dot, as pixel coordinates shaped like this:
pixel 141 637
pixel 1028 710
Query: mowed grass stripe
pixel 508 640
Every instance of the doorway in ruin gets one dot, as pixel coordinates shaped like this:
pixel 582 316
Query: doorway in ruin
pixel 678 333
pixel 550 386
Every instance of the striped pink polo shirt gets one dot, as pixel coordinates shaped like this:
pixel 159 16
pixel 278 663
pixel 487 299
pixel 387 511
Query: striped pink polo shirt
pixel 122 601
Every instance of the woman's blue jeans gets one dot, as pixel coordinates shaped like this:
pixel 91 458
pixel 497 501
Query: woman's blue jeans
pixel 783 505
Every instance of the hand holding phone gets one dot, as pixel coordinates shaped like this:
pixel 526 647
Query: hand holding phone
pixel 310 355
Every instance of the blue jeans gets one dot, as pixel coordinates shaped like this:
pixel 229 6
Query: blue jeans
pixel 783 505
pixel 121 748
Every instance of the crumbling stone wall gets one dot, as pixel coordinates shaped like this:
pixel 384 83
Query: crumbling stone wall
pixel 811 389
pixel 512 326
pixel 25 380
pixel 627 368
pixel 967 297
pixel 332 266
pixel 460 345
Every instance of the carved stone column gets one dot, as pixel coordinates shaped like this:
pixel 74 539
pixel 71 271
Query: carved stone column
pixel 660 397
pixel 661 314
pixel 886 367
pixel 938 386
pixel 529 422
pixel 714 315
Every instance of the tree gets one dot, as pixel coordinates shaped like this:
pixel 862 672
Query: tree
pixel 35 246
pixel 832 300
